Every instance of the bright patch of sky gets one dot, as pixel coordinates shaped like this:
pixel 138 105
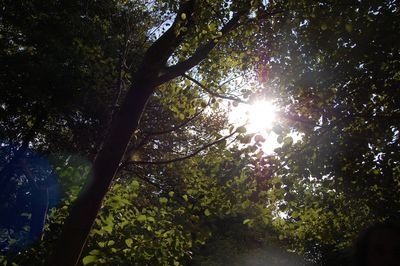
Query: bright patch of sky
pixel 259 118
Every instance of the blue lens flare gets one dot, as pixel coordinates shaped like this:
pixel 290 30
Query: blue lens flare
pixel 29 188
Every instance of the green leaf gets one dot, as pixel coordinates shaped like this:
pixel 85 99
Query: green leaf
pixel 30 123
pixel 207 212
pixel 246 221
pixel 135 184
pixel 163 200
pixel 108 228
pixel 94 252
pixel 129 242
pixel 246 139
pixel 212 26
pixel 89 259
pixel 246 204
pixel 142 218
pixel 241 129
pixel 288 141
pixel 295 215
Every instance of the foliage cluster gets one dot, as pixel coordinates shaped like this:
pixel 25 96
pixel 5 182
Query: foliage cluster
pixel 191 188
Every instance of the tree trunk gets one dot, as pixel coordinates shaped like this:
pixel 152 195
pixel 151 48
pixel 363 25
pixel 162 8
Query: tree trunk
pixel 84 211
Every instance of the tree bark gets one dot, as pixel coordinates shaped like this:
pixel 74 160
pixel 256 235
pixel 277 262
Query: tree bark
pixel 85 209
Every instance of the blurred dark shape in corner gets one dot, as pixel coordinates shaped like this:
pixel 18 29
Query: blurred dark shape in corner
pixel 28 190
pixel 378 245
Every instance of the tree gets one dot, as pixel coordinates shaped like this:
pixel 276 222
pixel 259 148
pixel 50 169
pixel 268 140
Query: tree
pixel 169 210
pixel 59 91
pixel 336 73
pixel 89 69
pixel 156 73
pixel 154 70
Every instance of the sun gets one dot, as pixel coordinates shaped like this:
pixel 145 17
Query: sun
pixel 261 116
pixel 258 117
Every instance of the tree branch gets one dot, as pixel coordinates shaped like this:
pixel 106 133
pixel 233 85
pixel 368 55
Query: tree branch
pixel 183 157
pixel 183 124
pixel 158 53
pixel 199 55
pixel 145 179
pixel 232 98
pixel 148 134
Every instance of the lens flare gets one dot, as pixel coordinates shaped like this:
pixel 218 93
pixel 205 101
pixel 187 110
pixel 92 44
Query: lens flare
pixel 258 116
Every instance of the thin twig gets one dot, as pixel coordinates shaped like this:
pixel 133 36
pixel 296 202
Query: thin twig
pixel 232 98
pixel 183 157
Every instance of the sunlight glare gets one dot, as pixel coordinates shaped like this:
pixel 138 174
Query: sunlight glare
pixel 258 117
